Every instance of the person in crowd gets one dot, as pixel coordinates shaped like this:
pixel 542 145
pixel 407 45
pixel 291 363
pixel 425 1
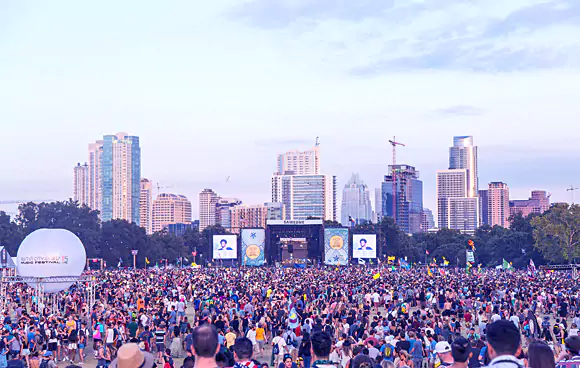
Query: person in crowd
pixel 570 357
pixel 540 355
pixel 444 357
pixel 503 344
pixel 321 346
pixel 461 353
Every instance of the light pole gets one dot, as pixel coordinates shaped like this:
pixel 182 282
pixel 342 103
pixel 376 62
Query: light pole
pixel 134 253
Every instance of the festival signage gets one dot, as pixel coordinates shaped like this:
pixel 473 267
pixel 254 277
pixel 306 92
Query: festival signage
pixel 225 247
pixel 364 246
pixel 253 246
pixel 336 246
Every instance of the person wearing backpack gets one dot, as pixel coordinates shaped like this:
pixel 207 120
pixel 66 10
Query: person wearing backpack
pixel 47 361
pixel 388 349
pixel 279 348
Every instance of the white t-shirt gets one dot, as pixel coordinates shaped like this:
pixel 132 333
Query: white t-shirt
pixel 376 297
pixel 251 335
pixel 110 336
pixel 281 344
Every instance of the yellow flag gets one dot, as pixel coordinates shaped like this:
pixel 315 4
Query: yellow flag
pixel 147 260
pixel 435 260
pixel 446 262
pixel 376 276
pixel 429 272
pixel 304 296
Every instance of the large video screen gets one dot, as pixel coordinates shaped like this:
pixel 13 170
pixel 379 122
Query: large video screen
pixel 225 247
pixel 364 246
pixel 253 245
pixel 336 246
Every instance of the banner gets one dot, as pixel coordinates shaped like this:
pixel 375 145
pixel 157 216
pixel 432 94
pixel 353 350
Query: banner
pixel 336 246
pixel 225 247
pixel 364 246
pixel 470 257
pixel 253 246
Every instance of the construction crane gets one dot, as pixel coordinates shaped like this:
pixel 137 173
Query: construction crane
pixel 159 187
pixel 20 201
pixel 572 190
pixel 394 143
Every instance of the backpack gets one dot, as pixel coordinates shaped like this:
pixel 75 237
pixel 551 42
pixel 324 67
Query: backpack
pixel 43 364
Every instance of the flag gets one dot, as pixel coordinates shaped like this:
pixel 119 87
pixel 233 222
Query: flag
pixel 532 266
pixel 147 260
pixel 426 252
pixel 293 320
pixel 361 261
pixel 120 262
pixel 505 265
pixel 442 271
pixel 393 268
pixel 376 276
pixel 445 262
pixel 429 272
pixel 435 260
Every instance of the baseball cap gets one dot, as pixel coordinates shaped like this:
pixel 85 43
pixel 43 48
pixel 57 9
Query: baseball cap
pixel 47 353
pixel 442 347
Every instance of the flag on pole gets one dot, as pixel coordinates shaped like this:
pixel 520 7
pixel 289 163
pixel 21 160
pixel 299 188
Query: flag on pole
pixel 442 271
pixel 376 276
pixel 435 260
pixel 147 260
pixel 532 266
pixel 426 252
pixel 361 261
pixel 445 262
pixel 120 262
pixel 393 268
pixel 505 265
pixel 429 272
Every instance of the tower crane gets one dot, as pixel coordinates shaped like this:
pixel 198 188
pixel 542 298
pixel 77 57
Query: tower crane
pixel 394 143
pixel 159 187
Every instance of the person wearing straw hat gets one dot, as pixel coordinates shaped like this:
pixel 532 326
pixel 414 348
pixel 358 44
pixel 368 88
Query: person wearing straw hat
pixel 131 356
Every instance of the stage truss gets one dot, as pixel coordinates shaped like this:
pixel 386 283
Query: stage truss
pixel 39 283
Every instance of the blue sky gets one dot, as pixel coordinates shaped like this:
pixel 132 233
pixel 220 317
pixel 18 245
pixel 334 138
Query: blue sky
pixel 218 88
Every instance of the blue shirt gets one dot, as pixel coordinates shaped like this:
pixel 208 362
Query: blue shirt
pixel 417 349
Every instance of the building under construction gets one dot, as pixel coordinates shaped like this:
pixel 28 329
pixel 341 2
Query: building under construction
pixel 406 205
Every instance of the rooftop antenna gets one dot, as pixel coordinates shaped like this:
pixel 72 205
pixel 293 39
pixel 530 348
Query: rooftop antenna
pixel 317 141
pixel 572 190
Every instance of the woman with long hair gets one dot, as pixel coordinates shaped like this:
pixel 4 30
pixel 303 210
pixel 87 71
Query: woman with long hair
pixel 540 355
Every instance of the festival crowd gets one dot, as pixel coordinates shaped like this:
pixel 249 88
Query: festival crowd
pixel 321 317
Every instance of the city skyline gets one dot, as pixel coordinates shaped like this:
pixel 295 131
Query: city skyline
pixel 352 75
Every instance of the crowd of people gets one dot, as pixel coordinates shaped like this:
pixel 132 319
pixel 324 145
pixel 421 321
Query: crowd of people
pixel 298 318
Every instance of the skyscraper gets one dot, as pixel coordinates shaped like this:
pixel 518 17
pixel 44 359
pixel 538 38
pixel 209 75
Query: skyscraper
pixel 378 212
pixel 81 183
pixel 428 221
pixel 120 177
pixel 207 205
pixel 94 185
pixel 306 196
pixel 498 204
pixel 463 155
pixel 457 188
pixel 454 209
pixel 146 205
pixel 484 206
pixel 170 209
pixel 539 202
pixel 247 216
pixel 222 211
pixel 356 202
pixel 408 198
pixel 299 162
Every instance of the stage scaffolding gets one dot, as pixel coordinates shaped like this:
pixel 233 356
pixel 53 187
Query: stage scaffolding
pixel 42 298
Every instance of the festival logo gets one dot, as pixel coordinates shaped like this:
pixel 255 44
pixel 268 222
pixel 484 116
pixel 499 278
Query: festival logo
pixel 336 246
pixel 253 247
pixel 252 251
pixel 336 242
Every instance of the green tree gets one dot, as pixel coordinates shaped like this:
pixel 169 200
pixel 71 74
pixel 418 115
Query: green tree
pixel 163 245
pixel 118 238
pixel 10 234
pixel 557 233
pixel 331 224
pixel 69 215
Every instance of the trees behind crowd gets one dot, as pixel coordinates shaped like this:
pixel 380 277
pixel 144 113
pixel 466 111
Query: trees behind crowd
pixel 553 237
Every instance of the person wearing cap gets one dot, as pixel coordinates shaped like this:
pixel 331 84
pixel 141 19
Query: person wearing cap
pixel 131 356
pixel 443 354
pixel 571 356
pixel 503 344
pixel 47 356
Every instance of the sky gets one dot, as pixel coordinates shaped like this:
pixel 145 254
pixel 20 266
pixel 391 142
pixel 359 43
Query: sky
pixel 216 89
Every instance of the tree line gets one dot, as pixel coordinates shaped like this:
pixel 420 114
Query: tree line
pixel 552 237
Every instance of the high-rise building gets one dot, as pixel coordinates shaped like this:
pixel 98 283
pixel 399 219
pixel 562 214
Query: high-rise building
pixel 170 209
pixel 222 211
pixel 248 216
pixel 299 162
pixel 81 183
pixel 146 205
pixel 498 204
pixel 356 201
pixel 94 185
pixel 484 206
pixel 463 155
pixel 408 198
pixel 539 202
pixel 120 178
pixel 207 205
pixel 457 188
pixel 428 221
pixel 276 210
pixel 453 204
pixel 378 212
pixel 305 196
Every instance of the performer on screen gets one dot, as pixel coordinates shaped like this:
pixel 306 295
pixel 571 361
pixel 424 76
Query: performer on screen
pixel 224 245
pixel 363 245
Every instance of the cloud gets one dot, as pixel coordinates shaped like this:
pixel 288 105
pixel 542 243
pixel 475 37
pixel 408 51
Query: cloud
pixel 285 142
pixel 370 37
pixel 460 110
